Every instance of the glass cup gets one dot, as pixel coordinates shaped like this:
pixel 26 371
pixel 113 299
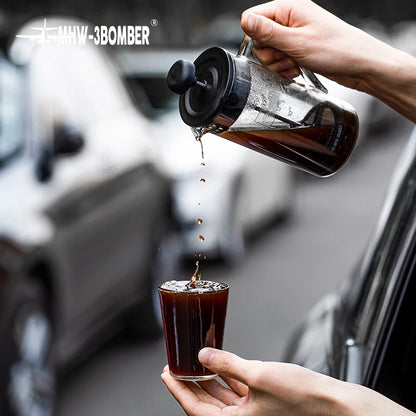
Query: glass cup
pixel 193 318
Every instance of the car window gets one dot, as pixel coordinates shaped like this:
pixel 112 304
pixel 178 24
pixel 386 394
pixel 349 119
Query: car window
pixel 80 82
pixel 12 118
pixel 387 255
pixel 393 363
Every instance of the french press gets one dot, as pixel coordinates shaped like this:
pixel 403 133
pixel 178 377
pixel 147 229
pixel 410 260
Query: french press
pixel 294 121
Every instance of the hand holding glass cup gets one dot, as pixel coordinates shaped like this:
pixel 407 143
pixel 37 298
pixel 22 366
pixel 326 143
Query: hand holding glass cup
pixel 193 317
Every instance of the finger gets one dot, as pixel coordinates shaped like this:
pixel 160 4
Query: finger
pixel 240 388
pixel 264 30
pixel 227 364
pixel 268 55
pixel 191 402
pixel 282 66
pixel 202 394
pixel 220 392
pixel 280 14
pixel 205 395
pixel 265 9
pixel 291 73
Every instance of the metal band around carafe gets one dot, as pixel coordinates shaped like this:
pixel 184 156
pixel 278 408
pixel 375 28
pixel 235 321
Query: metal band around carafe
pixel 236 98
pixel 246 48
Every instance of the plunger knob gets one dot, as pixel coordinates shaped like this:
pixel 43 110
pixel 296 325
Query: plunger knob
pixel 181 77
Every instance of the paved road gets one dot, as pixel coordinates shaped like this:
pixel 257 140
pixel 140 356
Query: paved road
pixel 287 269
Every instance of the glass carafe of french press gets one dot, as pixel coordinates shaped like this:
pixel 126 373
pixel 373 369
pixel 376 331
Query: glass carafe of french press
pixel 238 99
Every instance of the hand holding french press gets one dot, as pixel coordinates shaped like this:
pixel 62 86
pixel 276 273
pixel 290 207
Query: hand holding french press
pixel 234 97
pixel 288 33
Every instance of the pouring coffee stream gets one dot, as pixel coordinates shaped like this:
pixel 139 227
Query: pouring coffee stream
pixel 238 99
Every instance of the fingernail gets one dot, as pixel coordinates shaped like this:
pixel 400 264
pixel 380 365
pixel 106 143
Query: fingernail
pixel 205 355
pixel 251 23
pixel 292 73
pixel 165 368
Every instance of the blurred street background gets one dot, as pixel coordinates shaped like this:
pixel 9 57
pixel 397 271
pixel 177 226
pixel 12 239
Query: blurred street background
pixel 100 190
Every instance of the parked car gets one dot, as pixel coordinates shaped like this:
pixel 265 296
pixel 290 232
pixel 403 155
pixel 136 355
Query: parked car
pixel 366 332
pixel 84 215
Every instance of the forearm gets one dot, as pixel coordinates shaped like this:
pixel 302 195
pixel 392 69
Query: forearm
pixel 355 400
pixel 267 388
pixel 392 79
pixel 305 34
pixel 363 62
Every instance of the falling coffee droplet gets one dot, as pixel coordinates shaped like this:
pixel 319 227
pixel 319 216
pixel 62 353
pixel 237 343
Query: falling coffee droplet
pixel 199 221
pixel 201 238
pixel 202 164
pixel 202 180
pixel 191 283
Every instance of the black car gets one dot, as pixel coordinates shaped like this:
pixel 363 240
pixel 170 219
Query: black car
pixel 366 332
pixel 84 217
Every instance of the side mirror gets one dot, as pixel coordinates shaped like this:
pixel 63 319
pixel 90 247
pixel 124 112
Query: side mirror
pixel 44 163
pixel 67 140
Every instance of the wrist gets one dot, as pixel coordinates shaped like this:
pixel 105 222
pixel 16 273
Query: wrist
pixel 389 67
pixel 391 77
pixel 338 398
pixel 353 399
pixel 348 400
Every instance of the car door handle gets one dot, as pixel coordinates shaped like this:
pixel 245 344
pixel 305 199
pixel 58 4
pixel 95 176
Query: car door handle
pixel 354 360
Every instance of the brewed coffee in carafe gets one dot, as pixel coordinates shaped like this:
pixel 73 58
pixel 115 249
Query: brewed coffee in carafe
pixel 238 99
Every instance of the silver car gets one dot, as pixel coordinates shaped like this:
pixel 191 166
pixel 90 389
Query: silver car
pixel 84 212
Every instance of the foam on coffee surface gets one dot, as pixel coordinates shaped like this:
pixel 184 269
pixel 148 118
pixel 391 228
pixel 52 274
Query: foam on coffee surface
pixel 198 286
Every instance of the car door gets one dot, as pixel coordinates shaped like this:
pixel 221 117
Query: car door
pixel 105 198
pixel 380 351
pixel 269 187
pixel 392 364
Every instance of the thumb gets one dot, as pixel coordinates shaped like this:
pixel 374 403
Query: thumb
pixel 226 364
pixel 264 30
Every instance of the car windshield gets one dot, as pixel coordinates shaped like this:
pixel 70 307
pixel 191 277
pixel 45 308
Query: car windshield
pixel 12 122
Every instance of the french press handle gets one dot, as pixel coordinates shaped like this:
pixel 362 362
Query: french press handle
pixel 246 47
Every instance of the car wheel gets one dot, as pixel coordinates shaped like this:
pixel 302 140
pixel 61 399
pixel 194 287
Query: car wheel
pixel 146 319
pixel 31 388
